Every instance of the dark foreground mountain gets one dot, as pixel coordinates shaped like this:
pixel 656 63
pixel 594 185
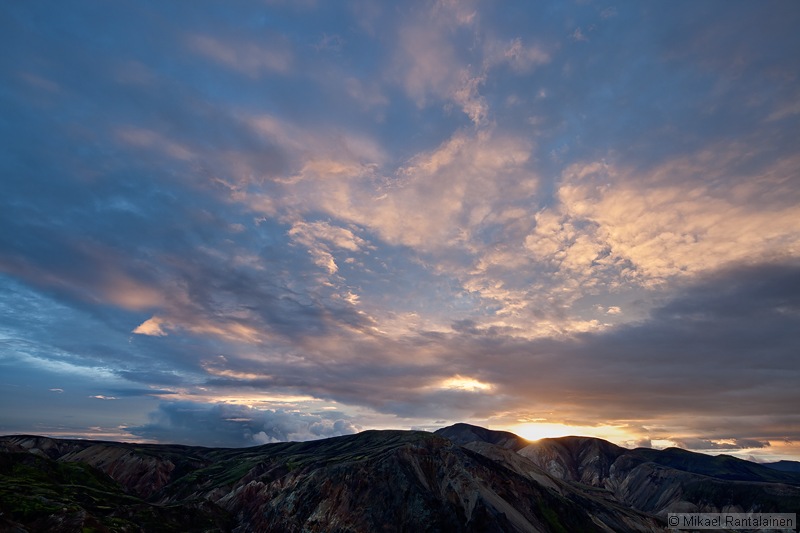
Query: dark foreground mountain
pixel 464 478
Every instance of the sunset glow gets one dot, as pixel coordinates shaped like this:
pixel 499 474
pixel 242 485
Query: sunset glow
pixel 544 430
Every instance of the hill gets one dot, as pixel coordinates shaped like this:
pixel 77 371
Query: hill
pixel 461 478
pixel 660 481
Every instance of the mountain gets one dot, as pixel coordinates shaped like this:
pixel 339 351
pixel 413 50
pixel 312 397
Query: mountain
pixel 464 433
pixel 719 466
pixel 784 466
pixel 374 480
pixel 583 459
pixel 671 480
pixel 461 478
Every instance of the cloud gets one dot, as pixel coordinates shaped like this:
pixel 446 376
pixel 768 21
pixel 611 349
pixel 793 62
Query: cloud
pixel 521 58
pixel 578 35
pixel 460 13
pixel 649 226
pixel 144 138
pixel 723 341
pixel 152 326
pixel 427 62
pixel 439 197
pixel 733 444
pixel 237 425
pixel 249 58
pixel 320 237
pixel 37 82
pixel 433 64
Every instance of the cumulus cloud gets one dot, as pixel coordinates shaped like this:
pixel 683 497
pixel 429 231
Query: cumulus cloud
pixel 439 197
pixel 238 425
pixel 615 223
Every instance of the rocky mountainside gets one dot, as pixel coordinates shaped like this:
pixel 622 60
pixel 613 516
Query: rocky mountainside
pixel 372 481
pixel 464 433
pixel 663 481
pixel 463 478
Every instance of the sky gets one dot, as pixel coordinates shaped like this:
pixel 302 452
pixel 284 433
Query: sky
pixel 234 223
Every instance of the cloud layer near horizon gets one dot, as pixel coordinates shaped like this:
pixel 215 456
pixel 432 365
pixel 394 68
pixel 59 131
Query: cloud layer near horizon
pixel 236 224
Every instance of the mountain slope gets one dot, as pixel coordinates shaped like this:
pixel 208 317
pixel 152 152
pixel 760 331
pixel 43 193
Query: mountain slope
pixel 462 478
pixel 465 433
pixel 583 459
pixel 784 466
pixel 38 493
pixel 671 480
pixel 653 481
pixel 719 466
pixel 400 480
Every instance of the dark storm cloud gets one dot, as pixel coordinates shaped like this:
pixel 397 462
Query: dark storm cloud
pixel 237 426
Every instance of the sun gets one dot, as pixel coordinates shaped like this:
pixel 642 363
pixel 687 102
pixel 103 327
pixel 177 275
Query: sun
pixel 536 431
pixel 543 430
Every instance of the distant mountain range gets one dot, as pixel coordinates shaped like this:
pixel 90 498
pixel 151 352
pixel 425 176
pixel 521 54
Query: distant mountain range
pixel 460 478
pixel 785 466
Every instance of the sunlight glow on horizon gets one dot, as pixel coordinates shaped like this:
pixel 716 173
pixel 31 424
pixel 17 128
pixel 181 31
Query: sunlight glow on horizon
pixel 544 430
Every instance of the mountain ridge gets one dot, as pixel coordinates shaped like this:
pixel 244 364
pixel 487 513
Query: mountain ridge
pixel 662 481
pixel 459 478
pixel 784 466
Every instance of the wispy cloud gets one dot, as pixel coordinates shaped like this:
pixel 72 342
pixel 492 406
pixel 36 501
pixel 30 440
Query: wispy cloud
pixel 253 59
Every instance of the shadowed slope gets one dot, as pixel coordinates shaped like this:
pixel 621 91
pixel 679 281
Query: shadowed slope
pixel 785 466
pixel 671 480
pixel 462 478
pixel 465 433
pixel 400 480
